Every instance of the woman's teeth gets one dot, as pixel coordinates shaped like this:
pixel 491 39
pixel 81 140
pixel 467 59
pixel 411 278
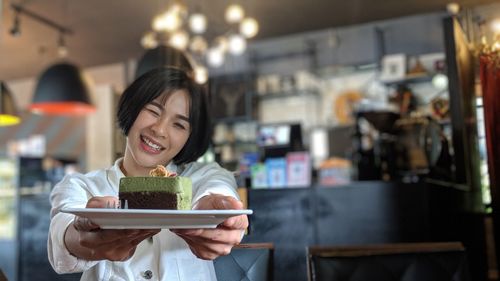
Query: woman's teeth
pixel 151 144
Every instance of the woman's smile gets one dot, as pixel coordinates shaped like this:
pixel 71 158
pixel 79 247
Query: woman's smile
pixel 149 145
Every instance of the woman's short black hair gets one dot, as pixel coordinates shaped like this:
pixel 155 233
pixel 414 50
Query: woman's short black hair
pixel 165 80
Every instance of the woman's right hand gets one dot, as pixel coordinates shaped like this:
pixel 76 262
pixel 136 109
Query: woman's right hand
pixel 86 240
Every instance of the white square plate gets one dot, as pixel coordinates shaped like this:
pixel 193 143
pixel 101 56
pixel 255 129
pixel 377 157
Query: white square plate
pixel 153 219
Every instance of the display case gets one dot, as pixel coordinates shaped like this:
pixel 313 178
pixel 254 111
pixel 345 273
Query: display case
pixel 36 179
pixel 8 216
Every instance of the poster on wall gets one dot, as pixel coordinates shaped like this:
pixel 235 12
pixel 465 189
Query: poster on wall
pixel 230 96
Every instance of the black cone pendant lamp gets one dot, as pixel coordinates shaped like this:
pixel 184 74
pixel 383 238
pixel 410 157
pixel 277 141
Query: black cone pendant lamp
pixel 62 90
pixel 163 56
pixel 8 112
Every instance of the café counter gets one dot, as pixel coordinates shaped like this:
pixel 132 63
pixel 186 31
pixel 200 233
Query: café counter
pixel 367 212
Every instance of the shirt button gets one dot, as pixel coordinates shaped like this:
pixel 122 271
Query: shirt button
pixel 148 274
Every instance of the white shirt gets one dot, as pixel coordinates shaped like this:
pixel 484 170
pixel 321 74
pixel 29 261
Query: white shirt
pixel 167 256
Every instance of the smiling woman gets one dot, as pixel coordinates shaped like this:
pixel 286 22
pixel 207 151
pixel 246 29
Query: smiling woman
pixel 164 117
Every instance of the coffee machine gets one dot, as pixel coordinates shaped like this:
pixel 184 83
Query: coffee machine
pixel 394 147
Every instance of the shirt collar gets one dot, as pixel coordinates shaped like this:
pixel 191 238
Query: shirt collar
pixel 114 174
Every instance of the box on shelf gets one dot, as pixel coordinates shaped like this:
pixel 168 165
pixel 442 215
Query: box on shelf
pixel 247 160
pixel 298 169
pixel 276 172
pixel 334 172
pixel 259 175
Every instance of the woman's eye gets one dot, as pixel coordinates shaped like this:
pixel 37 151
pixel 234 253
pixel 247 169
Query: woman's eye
pixel 180 126
pixel 155 112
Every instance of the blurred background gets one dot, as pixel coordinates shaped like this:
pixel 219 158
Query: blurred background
pixel 344 122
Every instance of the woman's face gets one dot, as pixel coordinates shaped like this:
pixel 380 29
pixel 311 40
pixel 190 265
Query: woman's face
pixel 158 134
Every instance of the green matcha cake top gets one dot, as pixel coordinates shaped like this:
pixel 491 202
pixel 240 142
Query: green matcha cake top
pixel 161 184
pixel 162 190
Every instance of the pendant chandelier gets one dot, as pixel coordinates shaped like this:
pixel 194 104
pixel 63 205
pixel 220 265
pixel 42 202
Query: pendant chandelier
pixel 163 55
pixel 184 30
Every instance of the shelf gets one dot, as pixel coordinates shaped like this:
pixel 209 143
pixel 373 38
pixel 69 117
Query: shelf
pixel 254 142
pixel 447 184
pixel 236 119
pixel 287 94
pixel 444 122
pixel 8 193
pixel 411 79
pixel 35 190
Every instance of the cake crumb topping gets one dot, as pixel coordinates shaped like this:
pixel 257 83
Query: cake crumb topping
pixel 161 171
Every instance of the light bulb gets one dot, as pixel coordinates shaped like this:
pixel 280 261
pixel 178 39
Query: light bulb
pixel 198 23
pixel 249 27
pixel 495 25
pixel 237 44
pixel 215 57
pixel 178 9
pixel 200 74
pixel 62 51
pixel 148 41
pixel 234 13
pixel 440 81
pixel 179 40
pixel 221 43
pixel 453 8
pixel 496 46
pixel 168 21
pixel 198 45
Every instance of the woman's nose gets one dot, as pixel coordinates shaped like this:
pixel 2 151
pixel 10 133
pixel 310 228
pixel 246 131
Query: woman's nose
pixel 159 127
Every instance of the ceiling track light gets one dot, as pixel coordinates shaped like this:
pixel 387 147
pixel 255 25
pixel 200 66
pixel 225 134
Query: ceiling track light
pixel 62 89
pixel 20 10
pixel 62 50
pixel 16 26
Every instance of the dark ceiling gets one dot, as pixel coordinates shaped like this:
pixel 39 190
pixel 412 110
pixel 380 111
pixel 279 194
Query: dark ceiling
pixel 109 31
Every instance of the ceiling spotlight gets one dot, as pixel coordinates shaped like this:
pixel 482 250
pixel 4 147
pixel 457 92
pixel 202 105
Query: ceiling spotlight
pixel 16 26
pixel 62 50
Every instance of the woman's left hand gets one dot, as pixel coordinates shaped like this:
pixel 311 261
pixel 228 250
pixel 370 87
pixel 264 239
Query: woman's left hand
pixel 209 244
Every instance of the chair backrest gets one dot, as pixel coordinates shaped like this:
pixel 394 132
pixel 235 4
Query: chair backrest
pixel 389 262
pixel 249 262
pixel 2 276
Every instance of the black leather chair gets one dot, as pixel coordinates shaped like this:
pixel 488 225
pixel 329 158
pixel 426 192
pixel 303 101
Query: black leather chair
pixel 246 262
pixel 389 262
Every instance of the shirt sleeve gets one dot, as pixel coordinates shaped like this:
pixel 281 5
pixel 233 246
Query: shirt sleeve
pixel 70 192
pixel 211 179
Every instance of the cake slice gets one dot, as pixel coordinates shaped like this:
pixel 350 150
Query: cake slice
pixel 162 190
